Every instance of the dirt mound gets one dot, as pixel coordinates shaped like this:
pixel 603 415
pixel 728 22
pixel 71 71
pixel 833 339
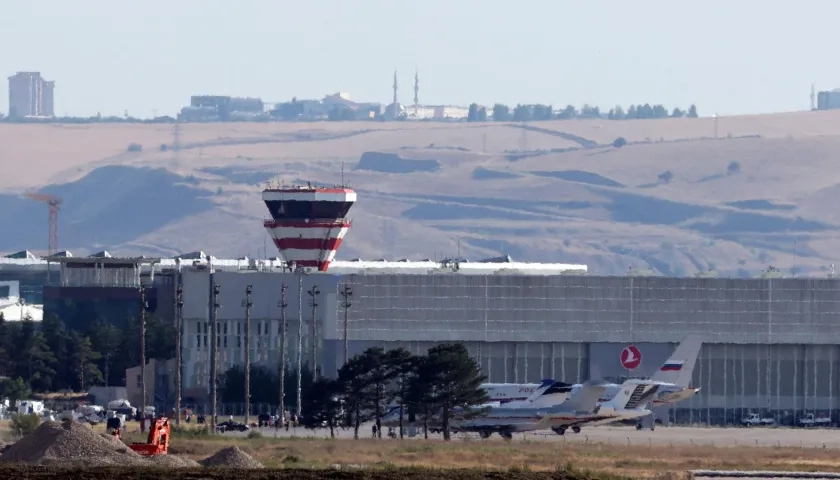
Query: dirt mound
pixel 55 443
pixel 231 457
pixel 173 461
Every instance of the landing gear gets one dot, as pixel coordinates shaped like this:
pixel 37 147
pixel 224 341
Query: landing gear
pixel 559 430
pixel 506 435
pixel 576 429
pixel 485 434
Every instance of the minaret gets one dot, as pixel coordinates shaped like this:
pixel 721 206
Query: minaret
pixel 813 98
pixel 395 104
pixel 416 92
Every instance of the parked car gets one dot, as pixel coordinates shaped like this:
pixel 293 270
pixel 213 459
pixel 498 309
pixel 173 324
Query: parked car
pixel 811 420
pixel 755 419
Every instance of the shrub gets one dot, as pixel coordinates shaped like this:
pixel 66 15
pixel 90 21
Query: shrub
pixel 254 434
pixel 733 168
pixel 24 424
pixel 135 147
pixel 619 142
pixel 665 176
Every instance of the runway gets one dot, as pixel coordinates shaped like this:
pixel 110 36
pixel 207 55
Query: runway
pixel 699 436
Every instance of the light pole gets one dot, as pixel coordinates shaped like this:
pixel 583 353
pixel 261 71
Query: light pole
pixel 313 302
pixel 248 305
pixel 214 351
pixel 299 272
pixel 283 332
pixel 346 294
pixel 143 306
pixel 179 327
pixel 716 125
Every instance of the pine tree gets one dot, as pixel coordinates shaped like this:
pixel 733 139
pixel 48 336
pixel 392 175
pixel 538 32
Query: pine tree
pixel 353 383
pixel 83 361
pixel 37 361
pixel 404 366
pixel 454 378
pixel 377 377
pixel 322 403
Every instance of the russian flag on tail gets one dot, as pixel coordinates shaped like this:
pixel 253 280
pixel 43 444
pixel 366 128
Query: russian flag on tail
pixel 671 366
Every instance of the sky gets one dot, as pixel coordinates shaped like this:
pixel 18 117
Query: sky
pixel 146 58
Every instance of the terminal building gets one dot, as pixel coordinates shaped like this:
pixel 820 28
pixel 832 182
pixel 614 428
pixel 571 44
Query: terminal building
pixel 771 344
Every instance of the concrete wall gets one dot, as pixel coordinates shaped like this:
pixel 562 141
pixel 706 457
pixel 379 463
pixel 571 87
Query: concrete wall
pixel 266 318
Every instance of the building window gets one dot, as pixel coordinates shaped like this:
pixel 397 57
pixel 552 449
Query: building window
pixel 139 381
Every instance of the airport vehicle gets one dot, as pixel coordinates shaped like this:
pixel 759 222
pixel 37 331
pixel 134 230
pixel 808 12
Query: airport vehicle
pixel 811 420
pixel 157 442
pixel 231 426
pixel 755 419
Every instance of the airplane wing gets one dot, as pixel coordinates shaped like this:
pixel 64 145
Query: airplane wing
pixel 586 397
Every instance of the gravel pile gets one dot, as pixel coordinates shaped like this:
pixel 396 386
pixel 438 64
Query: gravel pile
pixel 173 461
pixel 231 457
pixel 70 442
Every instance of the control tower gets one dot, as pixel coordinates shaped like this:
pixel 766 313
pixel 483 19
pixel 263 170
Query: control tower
pixel 308 223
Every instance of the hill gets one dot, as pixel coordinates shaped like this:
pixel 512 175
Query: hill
pixel 673 199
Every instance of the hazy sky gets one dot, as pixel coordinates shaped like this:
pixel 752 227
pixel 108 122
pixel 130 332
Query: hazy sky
pixel 737 56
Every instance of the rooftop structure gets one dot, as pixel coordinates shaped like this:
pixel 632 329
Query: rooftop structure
pixel 308 223
pixel 495 266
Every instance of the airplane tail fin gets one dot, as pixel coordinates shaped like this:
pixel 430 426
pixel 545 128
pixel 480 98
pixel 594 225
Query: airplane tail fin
pixel 585 399
pixel 544 385
pixel 679 367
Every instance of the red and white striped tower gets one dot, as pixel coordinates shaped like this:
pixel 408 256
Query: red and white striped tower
pixel 308 223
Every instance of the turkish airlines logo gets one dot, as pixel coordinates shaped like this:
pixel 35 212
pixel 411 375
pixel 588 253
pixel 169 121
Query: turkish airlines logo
pixel 631 357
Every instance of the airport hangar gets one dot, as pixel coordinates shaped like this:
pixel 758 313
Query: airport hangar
pixel 771 343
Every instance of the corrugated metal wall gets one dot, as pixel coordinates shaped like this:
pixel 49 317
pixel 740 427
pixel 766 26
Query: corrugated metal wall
pixel 770 343
pixel 593 309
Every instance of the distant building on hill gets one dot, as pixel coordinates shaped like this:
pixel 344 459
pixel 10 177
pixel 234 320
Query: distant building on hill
pixel 30 95
pixel 828 100
pixel 221 107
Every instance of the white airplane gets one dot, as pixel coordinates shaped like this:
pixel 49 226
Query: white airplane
pixel 504 393
pixel 675 377
pixel 582 406
pixel 508 420
pixel 392 415
pixel 628 401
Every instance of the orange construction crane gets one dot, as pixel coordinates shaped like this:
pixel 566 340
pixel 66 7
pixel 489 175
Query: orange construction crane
pixel 53 203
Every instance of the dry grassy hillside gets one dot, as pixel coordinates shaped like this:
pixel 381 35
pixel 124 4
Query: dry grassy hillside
pixel 674 199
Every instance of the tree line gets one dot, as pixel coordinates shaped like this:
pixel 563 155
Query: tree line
pixel 49 356
pixel 536 112
pixel 444 380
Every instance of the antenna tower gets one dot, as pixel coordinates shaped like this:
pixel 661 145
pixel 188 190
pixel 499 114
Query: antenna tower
pixel 416 92
pixel 813 98
pixel 54 204
pixel 396 104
